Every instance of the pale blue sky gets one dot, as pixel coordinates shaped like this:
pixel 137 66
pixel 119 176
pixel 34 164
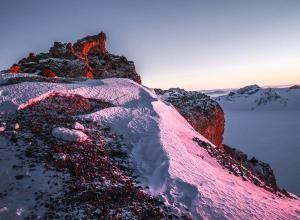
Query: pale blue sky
pixel 191 44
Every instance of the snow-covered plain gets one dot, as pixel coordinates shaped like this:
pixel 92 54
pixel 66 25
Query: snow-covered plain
pixel 165 157
pixel 269 130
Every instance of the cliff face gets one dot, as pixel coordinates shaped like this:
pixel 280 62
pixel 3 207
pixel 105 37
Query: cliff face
pixel 204 114
pixel 87 57
pixel 207 117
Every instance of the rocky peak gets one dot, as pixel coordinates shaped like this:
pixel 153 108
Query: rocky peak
pixel 88 57
pixel 91 45
pixel 62 50
pixel 248 89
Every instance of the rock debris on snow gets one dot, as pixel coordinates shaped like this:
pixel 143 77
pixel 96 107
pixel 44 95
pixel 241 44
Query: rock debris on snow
pixel 169 165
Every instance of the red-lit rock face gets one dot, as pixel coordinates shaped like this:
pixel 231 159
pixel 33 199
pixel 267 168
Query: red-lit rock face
pixel 204 114
pixel 87 57
pixel 89 75
pixel 211 127
pixel 15 69
pixel 91 45
pixel 48 73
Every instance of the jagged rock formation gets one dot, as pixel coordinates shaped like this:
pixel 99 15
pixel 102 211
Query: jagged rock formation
pixel 204 114
pixel 261 170
pixel 87 57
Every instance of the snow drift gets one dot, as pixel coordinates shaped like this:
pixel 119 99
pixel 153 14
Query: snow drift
pixel 166 159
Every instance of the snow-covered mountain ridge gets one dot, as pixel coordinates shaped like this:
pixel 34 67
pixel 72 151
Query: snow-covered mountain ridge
pixel 80 141
pixel 257 98
pixel 169 163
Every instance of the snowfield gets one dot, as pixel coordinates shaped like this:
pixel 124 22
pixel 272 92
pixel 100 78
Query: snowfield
pixel 165 157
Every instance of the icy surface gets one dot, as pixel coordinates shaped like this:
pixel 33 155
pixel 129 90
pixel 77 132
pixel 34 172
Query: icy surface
pixel 69 134
pixel 164 154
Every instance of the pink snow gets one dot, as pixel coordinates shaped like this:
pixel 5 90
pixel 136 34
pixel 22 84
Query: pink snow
pixel 160 143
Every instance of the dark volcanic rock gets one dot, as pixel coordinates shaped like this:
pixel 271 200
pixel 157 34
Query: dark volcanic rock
pixel 260 169
pixel 62 50
pixel 88 57
pixel 238 164
pixel 204 114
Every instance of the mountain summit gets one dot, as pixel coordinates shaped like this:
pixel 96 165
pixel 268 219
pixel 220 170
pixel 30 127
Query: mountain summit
pixel 88 57
pixel 81 138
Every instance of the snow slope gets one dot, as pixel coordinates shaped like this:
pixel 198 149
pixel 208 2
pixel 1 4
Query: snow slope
pixel 165 157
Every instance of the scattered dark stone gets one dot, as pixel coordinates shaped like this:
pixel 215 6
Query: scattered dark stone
pixel 100 181
pixel 253 170
pixel 19 177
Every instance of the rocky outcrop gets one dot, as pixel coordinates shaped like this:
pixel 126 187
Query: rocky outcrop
pixel 91 45
pixel 204 114
pixel 87 57
pixel 238 164
pixel 257 168
pixel 15 69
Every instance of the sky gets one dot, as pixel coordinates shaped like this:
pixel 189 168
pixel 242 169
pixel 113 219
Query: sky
pixel 191 44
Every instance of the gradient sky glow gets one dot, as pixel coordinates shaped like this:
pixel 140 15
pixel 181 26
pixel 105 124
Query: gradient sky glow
pixel 190 44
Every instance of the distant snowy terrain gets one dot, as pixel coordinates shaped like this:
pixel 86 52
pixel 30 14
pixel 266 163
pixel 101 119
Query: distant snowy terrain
pixel 161 145
pixel 259 99
pixel 265 123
